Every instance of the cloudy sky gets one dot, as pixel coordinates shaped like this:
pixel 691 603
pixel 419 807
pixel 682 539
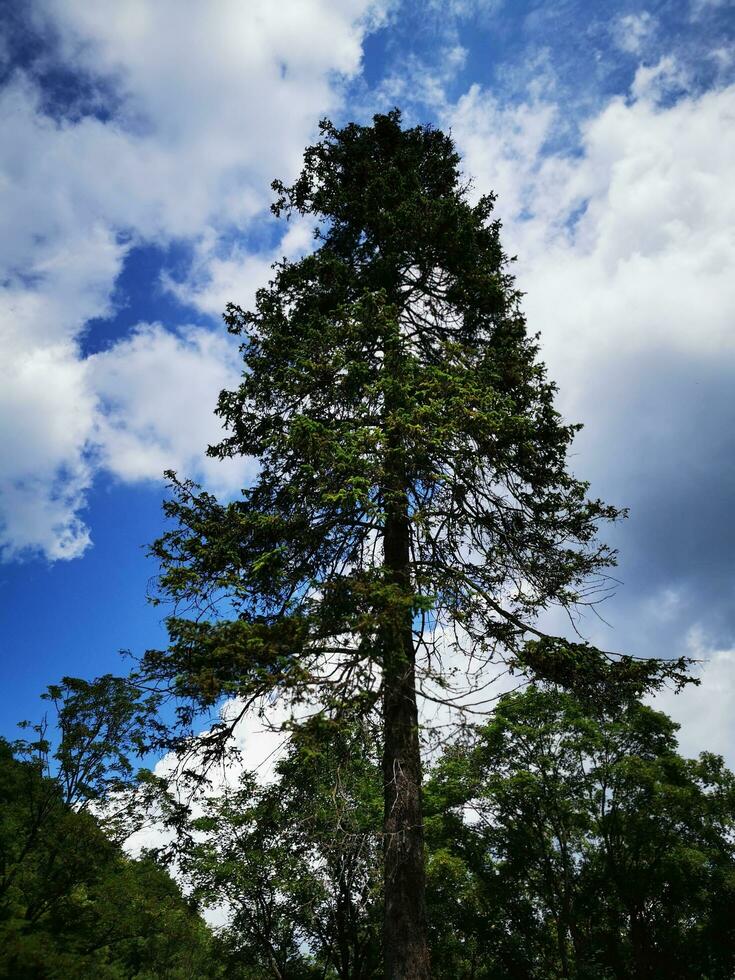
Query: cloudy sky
pixel 139 139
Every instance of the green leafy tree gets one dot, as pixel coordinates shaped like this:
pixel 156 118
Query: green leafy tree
pixel 412 487
pixel 72 904
pixel 83 753
pixel 296 862
pixel 96 732
pixel 576 842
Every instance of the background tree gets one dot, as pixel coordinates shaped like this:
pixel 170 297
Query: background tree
pixel 412 511
pixel 296 862
pixel 91 744
pixel 72 904
pixel 83 752
pixel 576 842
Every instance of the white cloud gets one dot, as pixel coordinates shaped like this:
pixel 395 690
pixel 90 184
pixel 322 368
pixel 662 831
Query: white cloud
pixel 649 265
pixel 224 98
pixel 723 57
pixel 217 277
pixel 631 31
pixel 627 259
pixel 626 246
pixel 210 103
pixel 655 82
pixel 157 391
pixel 417 83
pixel 706 713
pixel 501 145
pixel 48 292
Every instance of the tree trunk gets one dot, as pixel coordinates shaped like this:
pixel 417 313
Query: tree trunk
pixel 405 938
pixel 405 941
pixel 642 961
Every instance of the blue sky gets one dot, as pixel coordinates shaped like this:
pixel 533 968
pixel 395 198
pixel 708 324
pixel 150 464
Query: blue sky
pixel 139 142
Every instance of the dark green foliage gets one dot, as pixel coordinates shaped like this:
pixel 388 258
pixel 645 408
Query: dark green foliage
pixel 390 368
pixel 575 842
pixel 413 503
pixel 562 841
pixel 90 745
pixel 73 905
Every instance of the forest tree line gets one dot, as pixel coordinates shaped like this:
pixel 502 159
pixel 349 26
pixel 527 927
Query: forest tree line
pixel 561 842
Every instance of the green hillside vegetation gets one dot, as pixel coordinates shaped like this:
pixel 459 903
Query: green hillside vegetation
pixel 73 905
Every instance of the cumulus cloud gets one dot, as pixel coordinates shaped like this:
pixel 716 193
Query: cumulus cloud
pixel 631 31
pixel 157 390
pixel 625 246
pixel 627 261
pixel 224 98
pixel 219 275
pixel 502 145
pixel 705 713
pixel 55 273
pixel 200 108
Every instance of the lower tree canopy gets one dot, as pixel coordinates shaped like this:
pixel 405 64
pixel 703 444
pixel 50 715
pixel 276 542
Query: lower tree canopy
pixel 572 841
pixel 72 904
pixel 563 840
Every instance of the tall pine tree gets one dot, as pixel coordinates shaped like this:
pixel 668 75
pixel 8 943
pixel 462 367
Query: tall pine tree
pixel 412 482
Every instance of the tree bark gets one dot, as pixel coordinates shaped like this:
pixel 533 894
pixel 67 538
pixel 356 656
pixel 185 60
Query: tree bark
pixel 405 939
pixel 405 935
pixel 405 947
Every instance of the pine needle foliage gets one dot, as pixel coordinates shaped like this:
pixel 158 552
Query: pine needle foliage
pixel 413 509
